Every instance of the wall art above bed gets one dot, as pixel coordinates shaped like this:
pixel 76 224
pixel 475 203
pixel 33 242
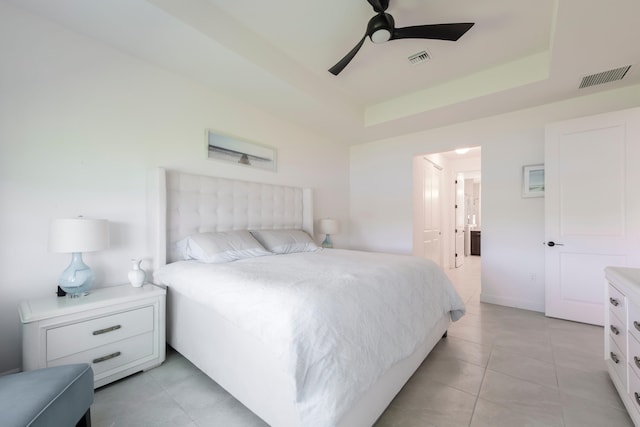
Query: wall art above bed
pixel 239 151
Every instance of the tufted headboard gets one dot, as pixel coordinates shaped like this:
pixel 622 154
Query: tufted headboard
pixel 188 203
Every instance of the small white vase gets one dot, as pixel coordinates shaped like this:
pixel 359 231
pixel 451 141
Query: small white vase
pixel 136 275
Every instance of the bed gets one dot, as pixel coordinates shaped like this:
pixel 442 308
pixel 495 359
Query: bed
pixel 302 336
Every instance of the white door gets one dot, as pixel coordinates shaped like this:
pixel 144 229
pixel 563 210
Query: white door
pixel 459 221
pixel 591 210
pixel 432 229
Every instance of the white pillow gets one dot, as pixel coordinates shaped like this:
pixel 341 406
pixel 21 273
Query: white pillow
pixel 221 246
pixel 285 241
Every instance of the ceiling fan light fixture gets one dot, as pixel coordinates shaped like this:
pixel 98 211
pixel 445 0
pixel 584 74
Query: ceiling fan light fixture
pixel 381 36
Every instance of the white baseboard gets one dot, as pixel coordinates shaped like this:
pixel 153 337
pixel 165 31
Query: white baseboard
pixel 512 302
pixel 9 372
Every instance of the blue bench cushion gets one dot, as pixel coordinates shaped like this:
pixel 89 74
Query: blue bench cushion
pixel 49 397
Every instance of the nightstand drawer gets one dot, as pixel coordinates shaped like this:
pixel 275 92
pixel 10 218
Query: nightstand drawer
pixel 78 337
pixel 111 356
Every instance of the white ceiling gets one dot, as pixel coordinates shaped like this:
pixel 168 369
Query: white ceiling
pixel 275 55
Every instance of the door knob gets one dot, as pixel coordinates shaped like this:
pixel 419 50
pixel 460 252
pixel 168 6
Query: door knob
pixel 552 244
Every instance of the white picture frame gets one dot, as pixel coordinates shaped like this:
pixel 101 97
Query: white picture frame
pixel 229 148
pixel 533 181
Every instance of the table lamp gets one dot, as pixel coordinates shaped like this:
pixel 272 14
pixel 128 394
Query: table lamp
pixel 75 236
pixel 328 227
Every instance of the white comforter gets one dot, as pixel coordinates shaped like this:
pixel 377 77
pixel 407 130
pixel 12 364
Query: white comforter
pixel 337 319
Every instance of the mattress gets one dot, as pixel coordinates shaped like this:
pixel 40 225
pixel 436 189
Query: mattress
pixel 335 320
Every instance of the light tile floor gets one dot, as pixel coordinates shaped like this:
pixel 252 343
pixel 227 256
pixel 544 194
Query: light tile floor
pixel 499 366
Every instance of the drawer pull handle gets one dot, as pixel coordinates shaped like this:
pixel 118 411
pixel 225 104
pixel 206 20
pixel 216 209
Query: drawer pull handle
pixel 614 330
pixel 117 353
pixel 105 330
pixel 614 302
pixel 637 360
pixel 636 324
pixel 637 397
pixel 614 357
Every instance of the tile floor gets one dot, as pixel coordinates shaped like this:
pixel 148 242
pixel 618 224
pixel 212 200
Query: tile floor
pixel 499 366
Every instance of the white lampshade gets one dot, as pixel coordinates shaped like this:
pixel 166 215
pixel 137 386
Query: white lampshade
pixel 78 235
pixel 329 226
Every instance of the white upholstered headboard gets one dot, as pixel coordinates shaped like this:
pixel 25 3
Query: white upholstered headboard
pixel 188 203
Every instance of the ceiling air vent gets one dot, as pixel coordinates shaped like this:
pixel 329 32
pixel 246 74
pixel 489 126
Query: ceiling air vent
pixel 419 57
pixel 604 77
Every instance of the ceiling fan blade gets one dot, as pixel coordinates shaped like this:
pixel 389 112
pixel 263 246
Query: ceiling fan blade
pixel 335 70
pixel 379 5
pixel 451 32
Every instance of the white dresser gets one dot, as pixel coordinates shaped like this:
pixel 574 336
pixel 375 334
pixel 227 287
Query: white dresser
pixel 119 330
pixel 622 335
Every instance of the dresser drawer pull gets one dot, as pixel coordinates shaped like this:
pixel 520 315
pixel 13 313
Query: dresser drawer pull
pixel 637 360
pixel 614 302
pixel 636 324
pixel 117 353
pixel 614 330
pixel 614 357
pixel 637 397
pixel 105 330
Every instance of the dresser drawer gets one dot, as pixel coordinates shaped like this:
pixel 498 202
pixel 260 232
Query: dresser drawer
pixel 79 337
pixel 634 354
pixel 634 320
pixel 617 302
pixel 616 359
pixel 634 390
pixel 111 356
pixel 618 332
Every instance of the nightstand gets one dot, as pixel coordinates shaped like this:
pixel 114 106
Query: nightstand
pixel 119 330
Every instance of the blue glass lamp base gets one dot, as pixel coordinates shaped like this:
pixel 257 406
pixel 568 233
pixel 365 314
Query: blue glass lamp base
pixel 77 278
pixel 327 242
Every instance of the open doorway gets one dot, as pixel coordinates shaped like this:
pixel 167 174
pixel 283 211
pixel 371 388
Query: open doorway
pixel 447 202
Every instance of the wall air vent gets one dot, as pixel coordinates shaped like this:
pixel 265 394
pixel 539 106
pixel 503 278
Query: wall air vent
pixel 419 57
pixel 604 77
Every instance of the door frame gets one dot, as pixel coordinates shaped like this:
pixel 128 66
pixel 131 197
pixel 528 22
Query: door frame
pixel 473 165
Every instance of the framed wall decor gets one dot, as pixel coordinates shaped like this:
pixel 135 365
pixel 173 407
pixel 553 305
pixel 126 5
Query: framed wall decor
pixel 533 181
pixel 239 151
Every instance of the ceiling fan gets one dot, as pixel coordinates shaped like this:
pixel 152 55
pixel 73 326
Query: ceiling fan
pixel 381 28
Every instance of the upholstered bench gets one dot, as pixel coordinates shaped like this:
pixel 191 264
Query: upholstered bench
pixel 59 396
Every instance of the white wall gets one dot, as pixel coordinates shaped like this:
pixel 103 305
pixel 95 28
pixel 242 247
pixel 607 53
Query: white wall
pixel 83 125
pixel 512 227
